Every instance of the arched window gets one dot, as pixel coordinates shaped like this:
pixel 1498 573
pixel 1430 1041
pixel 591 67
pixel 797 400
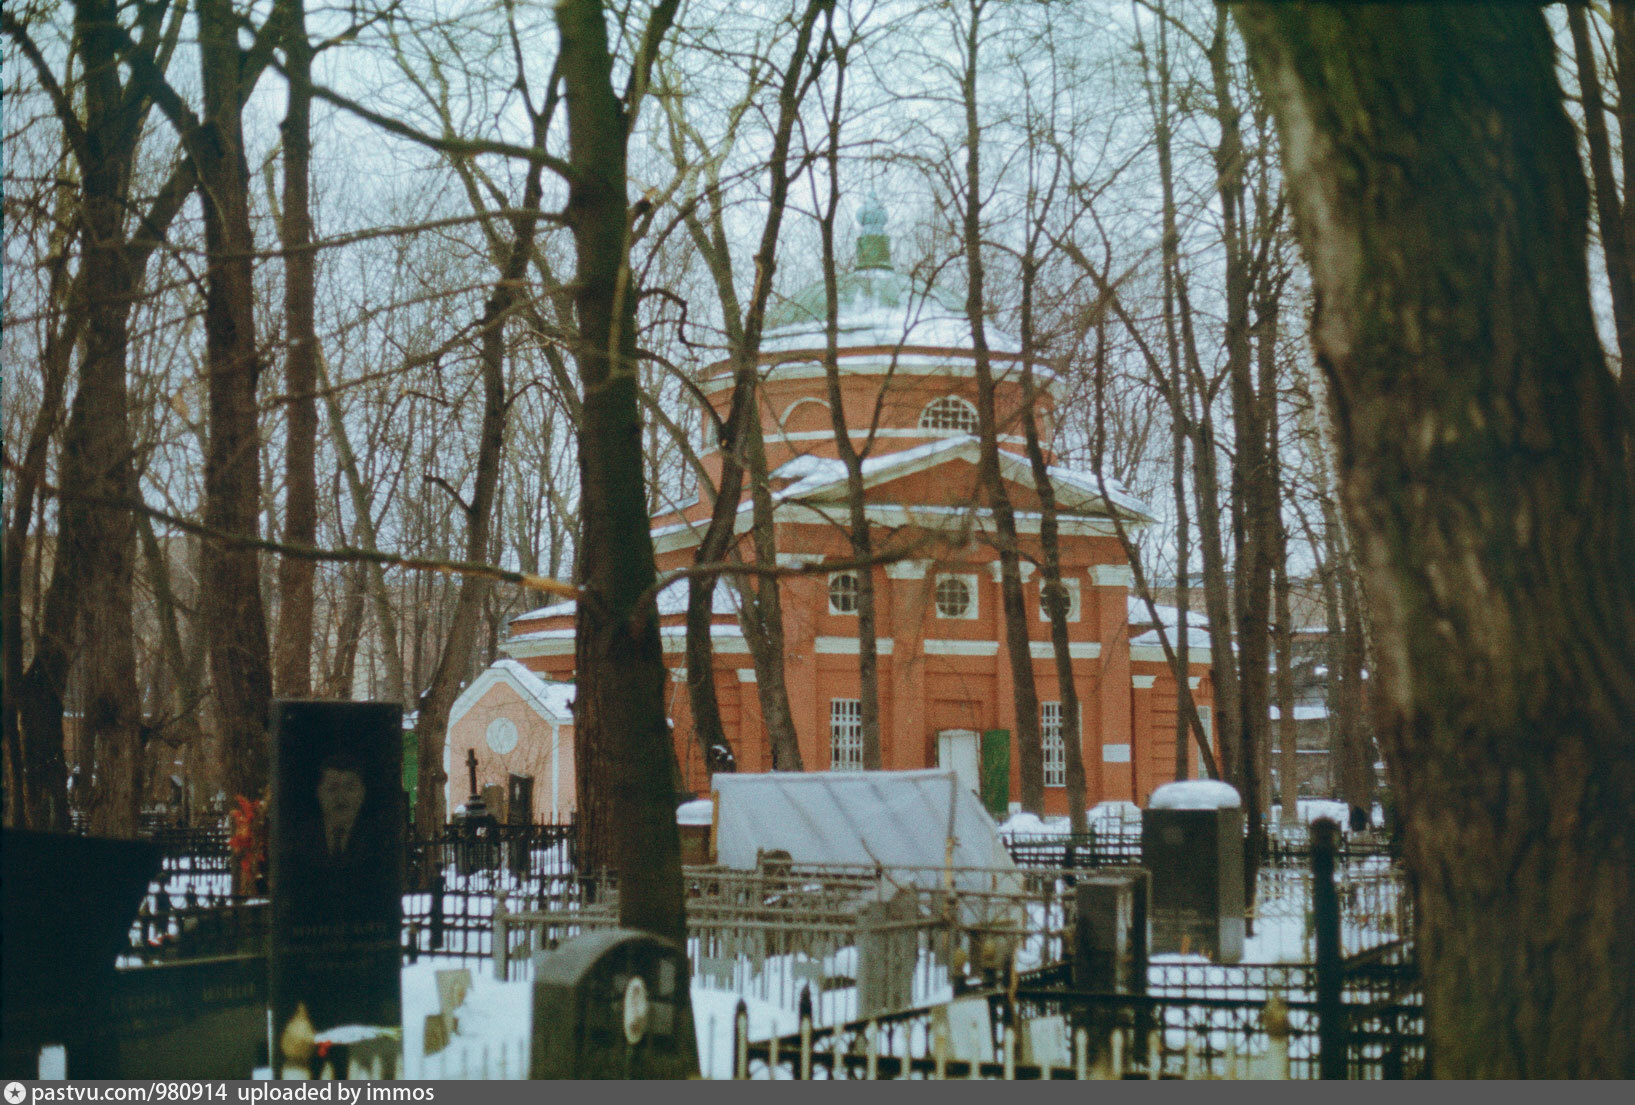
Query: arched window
pixel 949 413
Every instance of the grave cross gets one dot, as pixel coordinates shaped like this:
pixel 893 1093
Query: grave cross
pixel 471 768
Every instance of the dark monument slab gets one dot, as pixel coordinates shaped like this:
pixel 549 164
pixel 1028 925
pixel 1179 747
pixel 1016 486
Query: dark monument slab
pixel 519 800
pixel 519 814
pixel 200 1018
pixel 337 863
pixel 1110 931
pixel 1196 859
pixel 68 904
pixel 613 1004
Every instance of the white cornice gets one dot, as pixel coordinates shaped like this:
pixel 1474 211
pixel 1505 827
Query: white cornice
pixel 1076 650
pixel 1155 654
pixel 943 647
pixel 849 646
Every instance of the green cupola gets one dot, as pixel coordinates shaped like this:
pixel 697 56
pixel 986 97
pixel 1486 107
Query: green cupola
pixel 873 244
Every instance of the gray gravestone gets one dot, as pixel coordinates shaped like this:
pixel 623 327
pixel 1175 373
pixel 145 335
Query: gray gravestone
pixel 66 907
pixel 337 863
pixel 1110 931
pixel 1196 860
pixel 887 954
pixel 613 1004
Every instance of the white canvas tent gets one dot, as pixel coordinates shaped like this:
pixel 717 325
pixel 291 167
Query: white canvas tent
pixel 894 819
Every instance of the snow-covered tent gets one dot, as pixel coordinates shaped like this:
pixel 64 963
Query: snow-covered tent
pixel 894 819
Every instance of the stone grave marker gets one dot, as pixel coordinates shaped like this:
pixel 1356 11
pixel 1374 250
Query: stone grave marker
pixel 519 800
pixel 887 954
pixel 337 863
pixel 494 798
pixel 452 988
pixel 66 908
pixel 613 1004
pixel 1192 842
pixel 519 814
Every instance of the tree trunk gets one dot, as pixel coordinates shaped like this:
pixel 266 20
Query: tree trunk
pixel 1029 745
pixel 1442 210
pixel 626 764
pixel 293 667
pixel 234 617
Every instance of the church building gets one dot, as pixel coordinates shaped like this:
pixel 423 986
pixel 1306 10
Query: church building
pixel 946 696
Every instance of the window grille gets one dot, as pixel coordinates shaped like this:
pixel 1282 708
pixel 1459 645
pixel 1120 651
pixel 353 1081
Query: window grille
pixel 949 413
pixel 1055 749
pixel 846 734
pixel 843 593
pixel 953 597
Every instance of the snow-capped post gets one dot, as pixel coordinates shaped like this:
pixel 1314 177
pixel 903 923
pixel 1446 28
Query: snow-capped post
pixel 1325 909
pixel 805 1067
pixel 740 1041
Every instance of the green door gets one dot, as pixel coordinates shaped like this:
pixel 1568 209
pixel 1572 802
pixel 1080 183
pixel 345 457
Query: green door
pixel 996 772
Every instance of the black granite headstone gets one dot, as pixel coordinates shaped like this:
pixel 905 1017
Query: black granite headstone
pixel 519 814
pixel 1196 860
pixel 519 803
pixel 337 863
pixel 68 904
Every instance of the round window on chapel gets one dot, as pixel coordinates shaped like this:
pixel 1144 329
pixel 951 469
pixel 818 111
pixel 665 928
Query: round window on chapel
pixel 843 593
pixel 953 597
pixel 502 735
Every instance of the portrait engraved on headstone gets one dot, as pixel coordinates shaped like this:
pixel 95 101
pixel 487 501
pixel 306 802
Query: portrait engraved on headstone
pixel 337 862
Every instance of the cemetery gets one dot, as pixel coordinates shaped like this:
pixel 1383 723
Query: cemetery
pixel 860 925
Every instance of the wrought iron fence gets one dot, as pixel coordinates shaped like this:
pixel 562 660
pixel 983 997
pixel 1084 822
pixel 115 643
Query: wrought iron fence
pixel 1246 1021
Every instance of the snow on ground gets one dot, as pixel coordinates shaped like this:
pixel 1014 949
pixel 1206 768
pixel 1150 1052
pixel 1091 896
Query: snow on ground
pixel 495 1021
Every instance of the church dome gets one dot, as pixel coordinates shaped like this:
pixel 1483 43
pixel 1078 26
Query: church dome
pixel 878 305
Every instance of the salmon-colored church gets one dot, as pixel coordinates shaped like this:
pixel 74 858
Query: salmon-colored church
pixel 909 389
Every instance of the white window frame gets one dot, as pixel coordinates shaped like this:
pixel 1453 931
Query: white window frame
pixel 835 577
pixel 934 416
pixel 970 581
pixel 1206 718
pixel 1053 747
pixel 845 734
pixel 1074 599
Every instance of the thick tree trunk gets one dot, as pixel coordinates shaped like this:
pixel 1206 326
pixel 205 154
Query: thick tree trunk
pixel 293 667
pixel 97 457
pixel 235 619
pixel 1441 207
pixel 626 764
